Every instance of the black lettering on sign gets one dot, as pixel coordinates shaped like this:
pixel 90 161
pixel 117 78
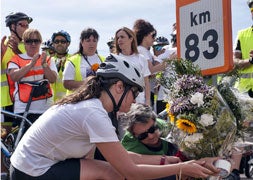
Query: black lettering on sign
pixel 200 18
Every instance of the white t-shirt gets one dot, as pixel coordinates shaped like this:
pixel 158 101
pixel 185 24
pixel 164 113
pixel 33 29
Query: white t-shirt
pixel 148 55
pixel 38 106
pixel 69 71
pixel 142 64
pixel 63 132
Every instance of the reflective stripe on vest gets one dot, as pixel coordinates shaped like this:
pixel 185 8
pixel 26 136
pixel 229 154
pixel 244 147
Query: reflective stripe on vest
pixel 35 74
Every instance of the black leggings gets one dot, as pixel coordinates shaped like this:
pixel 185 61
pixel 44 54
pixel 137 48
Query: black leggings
pixel 63 170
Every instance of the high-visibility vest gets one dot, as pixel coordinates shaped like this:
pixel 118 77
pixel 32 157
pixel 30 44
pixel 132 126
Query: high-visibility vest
pixel 59 91
pixel 245 37
pixel 76 61
pixel 5 97
pixel 35 74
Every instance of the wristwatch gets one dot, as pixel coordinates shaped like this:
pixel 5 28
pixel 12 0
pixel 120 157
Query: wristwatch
pixel 44 65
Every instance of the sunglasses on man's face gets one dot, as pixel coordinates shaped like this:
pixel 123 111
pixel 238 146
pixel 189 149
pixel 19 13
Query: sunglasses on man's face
pixel 23 25
pixel 158 48
pixel 60 41
pixel 144 135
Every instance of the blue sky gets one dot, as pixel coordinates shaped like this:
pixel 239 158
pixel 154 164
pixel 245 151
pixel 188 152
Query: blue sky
pixel 106 16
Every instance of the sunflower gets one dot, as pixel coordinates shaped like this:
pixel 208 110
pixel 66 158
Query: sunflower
pixel 186 126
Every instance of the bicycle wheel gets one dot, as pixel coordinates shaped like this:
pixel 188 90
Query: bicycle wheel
pixel 249 166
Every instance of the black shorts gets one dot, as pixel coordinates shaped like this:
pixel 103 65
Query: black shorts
pixel 64 170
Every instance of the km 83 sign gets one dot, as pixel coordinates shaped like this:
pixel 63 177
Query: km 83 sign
pixel 204 33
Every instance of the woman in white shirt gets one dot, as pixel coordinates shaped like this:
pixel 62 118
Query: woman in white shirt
pixel 84 62
pixel 126 46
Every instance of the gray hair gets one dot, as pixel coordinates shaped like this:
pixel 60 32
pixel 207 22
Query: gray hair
pixel 139 113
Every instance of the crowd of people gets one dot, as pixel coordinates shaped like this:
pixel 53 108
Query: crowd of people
pixel 75 101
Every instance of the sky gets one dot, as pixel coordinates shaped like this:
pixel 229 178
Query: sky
pixel 106 16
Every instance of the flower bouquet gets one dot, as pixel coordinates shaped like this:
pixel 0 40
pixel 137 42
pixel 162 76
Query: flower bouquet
pixel 202 123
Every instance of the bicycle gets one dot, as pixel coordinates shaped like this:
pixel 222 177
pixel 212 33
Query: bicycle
pixel 10 142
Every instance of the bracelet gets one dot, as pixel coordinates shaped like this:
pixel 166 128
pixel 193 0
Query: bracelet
pixel 162 161
pixel 251 60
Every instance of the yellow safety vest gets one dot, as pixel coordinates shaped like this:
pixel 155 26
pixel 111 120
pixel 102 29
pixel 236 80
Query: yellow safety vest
pixel 245 37
pixel 76 61
pixel 59 91
pixel 5 93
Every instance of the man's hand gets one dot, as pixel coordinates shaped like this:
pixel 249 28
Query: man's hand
pixel 13 43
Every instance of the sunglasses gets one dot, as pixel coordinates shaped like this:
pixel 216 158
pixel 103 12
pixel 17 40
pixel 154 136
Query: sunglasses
pixel 135 92
pixel 31 41
pixel 60 41
pixel 153 34
pixel 23 25
pixel 158 48
pixel 144 135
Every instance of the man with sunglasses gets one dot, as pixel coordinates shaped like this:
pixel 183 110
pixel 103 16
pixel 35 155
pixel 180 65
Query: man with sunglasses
pixel 60 41
pixel 17 23
pixel 243 57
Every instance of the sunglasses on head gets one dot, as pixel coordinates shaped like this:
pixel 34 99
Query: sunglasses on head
pixel 60 41
pixel 135 92
pixel 23 25
pixel 144 135
pixel 31 41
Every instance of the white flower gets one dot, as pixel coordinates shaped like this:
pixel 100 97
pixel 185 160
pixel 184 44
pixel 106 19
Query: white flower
pixel 206 120
pixel 197 98
pixel 191 140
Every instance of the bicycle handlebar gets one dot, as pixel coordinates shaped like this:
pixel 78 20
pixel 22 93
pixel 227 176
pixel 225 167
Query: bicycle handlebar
pixel 16 116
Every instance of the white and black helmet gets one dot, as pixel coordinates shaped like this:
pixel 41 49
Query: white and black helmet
pixel 117 67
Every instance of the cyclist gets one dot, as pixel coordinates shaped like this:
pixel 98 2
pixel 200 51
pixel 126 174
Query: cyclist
pixel 48 47
pixel 243 57
pixel 60 41
pixel 31 67
pixel 57 144
pixel 17 23
pixel 111 45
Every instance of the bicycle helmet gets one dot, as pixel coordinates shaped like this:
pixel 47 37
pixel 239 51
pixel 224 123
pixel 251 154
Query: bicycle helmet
pixel 161 41
pixel 62 33
pixel 250 3
pixel 110 42
pixel 117 67
pixel 47 45
pixel 15 17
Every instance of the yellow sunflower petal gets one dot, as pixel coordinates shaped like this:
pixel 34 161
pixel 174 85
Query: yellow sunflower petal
pixel 186 126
